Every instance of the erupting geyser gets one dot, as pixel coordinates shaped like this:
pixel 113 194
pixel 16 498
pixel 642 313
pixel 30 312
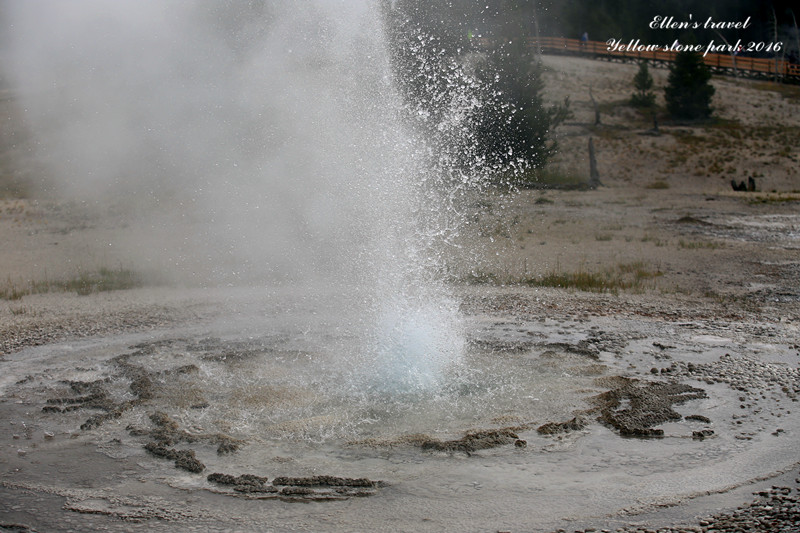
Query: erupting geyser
pixel 266 156
pixel 264 143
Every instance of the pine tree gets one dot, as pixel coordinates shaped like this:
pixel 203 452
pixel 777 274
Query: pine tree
pixel 688 93
pixel 516 129
pixel 423 53
pixel 643 82
pixel 513 128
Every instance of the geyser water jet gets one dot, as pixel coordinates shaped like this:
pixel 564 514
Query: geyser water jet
pixel 261 143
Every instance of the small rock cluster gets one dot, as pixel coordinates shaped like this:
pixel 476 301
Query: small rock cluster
pixel 184 459
pixel 776 510
pixel 167 434
pixel 634 408
pixel 143 386
pixel 743 374
pixel 95 394
pixel 474 441
pixel 297 488
pixel 552 428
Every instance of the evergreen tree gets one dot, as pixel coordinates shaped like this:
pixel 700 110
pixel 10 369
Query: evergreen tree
pixel 423 53
pixel 429 45
pixel 516 127
pixel 688 92
pixel 643 82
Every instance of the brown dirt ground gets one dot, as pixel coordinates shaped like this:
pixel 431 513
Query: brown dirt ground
pixel 666 207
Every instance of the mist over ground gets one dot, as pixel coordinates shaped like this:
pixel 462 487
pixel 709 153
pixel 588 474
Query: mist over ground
pixel 248 144
pixel 267 125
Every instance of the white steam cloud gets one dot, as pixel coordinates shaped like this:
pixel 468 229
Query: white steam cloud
pixel 266 119
pixel 261 142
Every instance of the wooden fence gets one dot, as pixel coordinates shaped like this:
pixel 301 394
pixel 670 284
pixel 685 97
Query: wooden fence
pixel 754 67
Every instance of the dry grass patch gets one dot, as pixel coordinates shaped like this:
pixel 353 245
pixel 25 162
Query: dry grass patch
pixel 104 279
pixel 774 198
pixel 635 276
pixel 789 92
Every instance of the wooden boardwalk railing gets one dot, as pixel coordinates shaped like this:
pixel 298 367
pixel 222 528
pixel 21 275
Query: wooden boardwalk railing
pixel 721 63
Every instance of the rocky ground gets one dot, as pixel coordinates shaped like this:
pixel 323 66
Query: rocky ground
pixel 665 242
pixel 775 509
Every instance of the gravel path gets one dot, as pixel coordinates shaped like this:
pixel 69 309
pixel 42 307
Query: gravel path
pixel 48 318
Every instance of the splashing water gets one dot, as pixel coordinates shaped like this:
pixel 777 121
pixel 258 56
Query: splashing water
pixel 277 130
pixel 415 342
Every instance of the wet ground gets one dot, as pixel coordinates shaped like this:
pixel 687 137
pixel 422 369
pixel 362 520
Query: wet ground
pixel 672 405
pixel 550 420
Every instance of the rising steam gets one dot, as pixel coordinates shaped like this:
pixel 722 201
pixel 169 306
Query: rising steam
pixel 262 142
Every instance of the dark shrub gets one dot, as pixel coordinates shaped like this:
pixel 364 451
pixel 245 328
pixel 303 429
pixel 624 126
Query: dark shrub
pixel 688 92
